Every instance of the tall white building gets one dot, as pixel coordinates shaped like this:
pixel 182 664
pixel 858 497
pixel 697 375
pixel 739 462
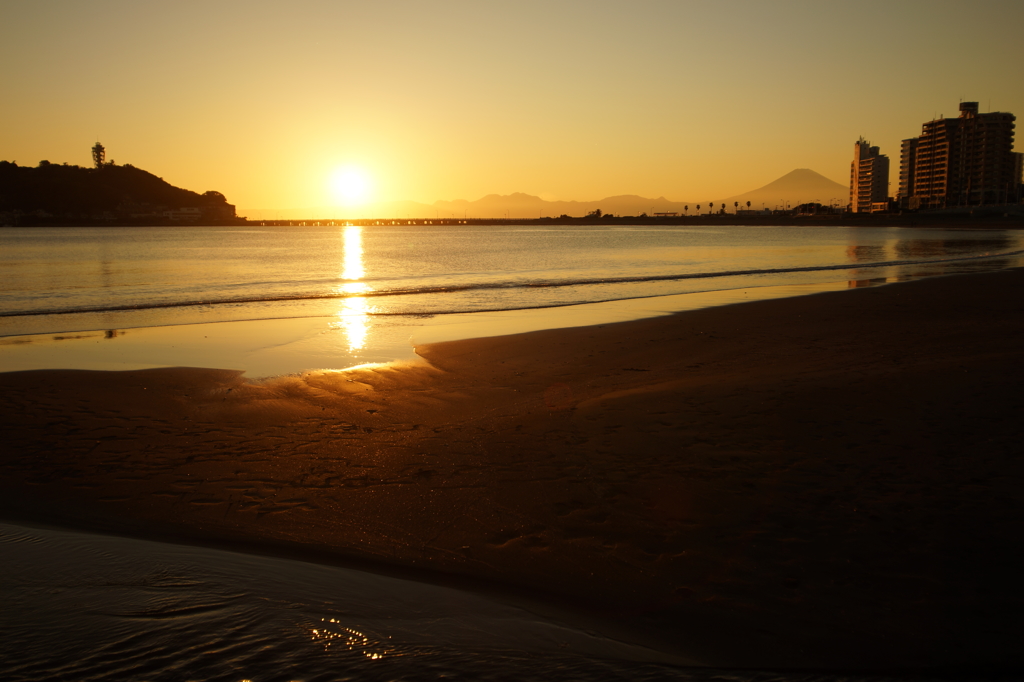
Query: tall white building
pixel 869 178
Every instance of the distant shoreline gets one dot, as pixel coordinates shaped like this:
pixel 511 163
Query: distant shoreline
pixel 982 218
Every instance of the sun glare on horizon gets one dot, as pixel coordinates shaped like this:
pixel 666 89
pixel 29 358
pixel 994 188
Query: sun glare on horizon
pixel 350 186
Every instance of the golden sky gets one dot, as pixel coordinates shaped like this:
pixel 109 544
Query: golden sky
pixel 266 101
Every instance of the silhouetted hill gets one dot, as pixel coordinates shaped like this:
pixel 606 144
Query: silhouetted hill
pixel 796 187
pixel 51 192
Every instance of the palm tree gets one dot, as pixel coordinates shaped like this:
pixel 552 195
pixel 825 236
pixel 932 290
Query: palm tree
pixel 736 205
pixel 698 209
pixel 686 209
pixel 748 205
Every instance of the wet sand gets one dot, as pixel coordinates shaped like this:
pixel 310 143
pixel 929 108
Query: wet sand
pixel 830 481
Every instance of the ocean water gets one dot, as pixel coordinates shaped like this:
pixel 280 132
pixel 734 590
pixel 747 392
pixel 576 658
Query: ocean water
pixel 319 297
pixel 52 276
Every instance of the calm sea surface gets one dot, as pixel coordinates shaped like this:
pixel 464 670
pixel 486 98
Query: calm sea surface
pixel 71 279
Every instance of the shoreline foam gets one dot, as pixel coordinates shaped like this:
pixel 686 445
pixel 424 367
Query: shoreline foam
pixel 824 481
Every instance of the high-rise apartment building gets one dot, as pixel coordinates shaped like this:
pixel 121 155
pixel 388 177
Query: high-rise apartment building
pixel 869 178
pixel 965 161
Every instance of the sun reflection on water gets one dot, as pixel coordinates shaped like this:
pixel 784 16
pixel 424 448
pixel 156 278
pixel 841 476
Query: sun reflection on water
pixel 355 311
pixel 353 319
pixel 352 236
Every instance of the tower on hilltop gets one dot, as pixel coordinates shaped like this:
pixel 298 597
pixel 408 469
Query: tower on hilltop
pixel 99 155
pixel 869 179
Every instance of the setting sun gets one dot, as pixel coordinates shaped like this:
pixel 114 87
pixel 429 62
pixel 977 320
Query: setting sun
pixel 350 186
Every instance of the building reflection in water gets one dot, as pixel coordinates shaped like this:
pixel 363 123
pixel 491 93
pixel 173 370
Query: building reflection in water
pixel 926 257
pixel 353 317
pixel 867 254
pixel 874 281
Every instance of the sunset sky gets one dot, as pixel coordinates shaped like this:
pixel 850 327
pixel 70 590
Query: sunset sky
pixel 268 101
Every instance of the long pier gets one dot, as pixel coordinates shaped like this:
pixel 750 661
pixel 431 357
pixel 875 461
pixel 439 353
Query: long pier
pixel 995 219
pixel 998 217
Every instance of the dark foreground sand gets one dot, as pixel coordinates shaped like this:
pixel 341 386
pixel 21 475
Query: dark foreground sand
pixel 829 481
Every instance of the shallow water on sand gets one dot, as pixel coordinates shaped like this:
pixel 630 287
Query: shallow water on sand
pixel 97 607
pixel 92 607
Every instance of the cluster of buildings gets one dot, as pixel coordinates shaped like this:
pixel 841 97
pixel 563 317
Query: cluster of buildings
pixel 955 162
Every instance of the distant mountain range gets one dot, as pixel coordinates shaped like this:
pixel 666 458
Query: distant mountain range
pixel 796 187
pixel 800 186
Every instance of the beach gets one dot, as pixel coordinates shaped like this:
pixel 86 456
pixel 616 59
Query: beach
pixel 824 482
